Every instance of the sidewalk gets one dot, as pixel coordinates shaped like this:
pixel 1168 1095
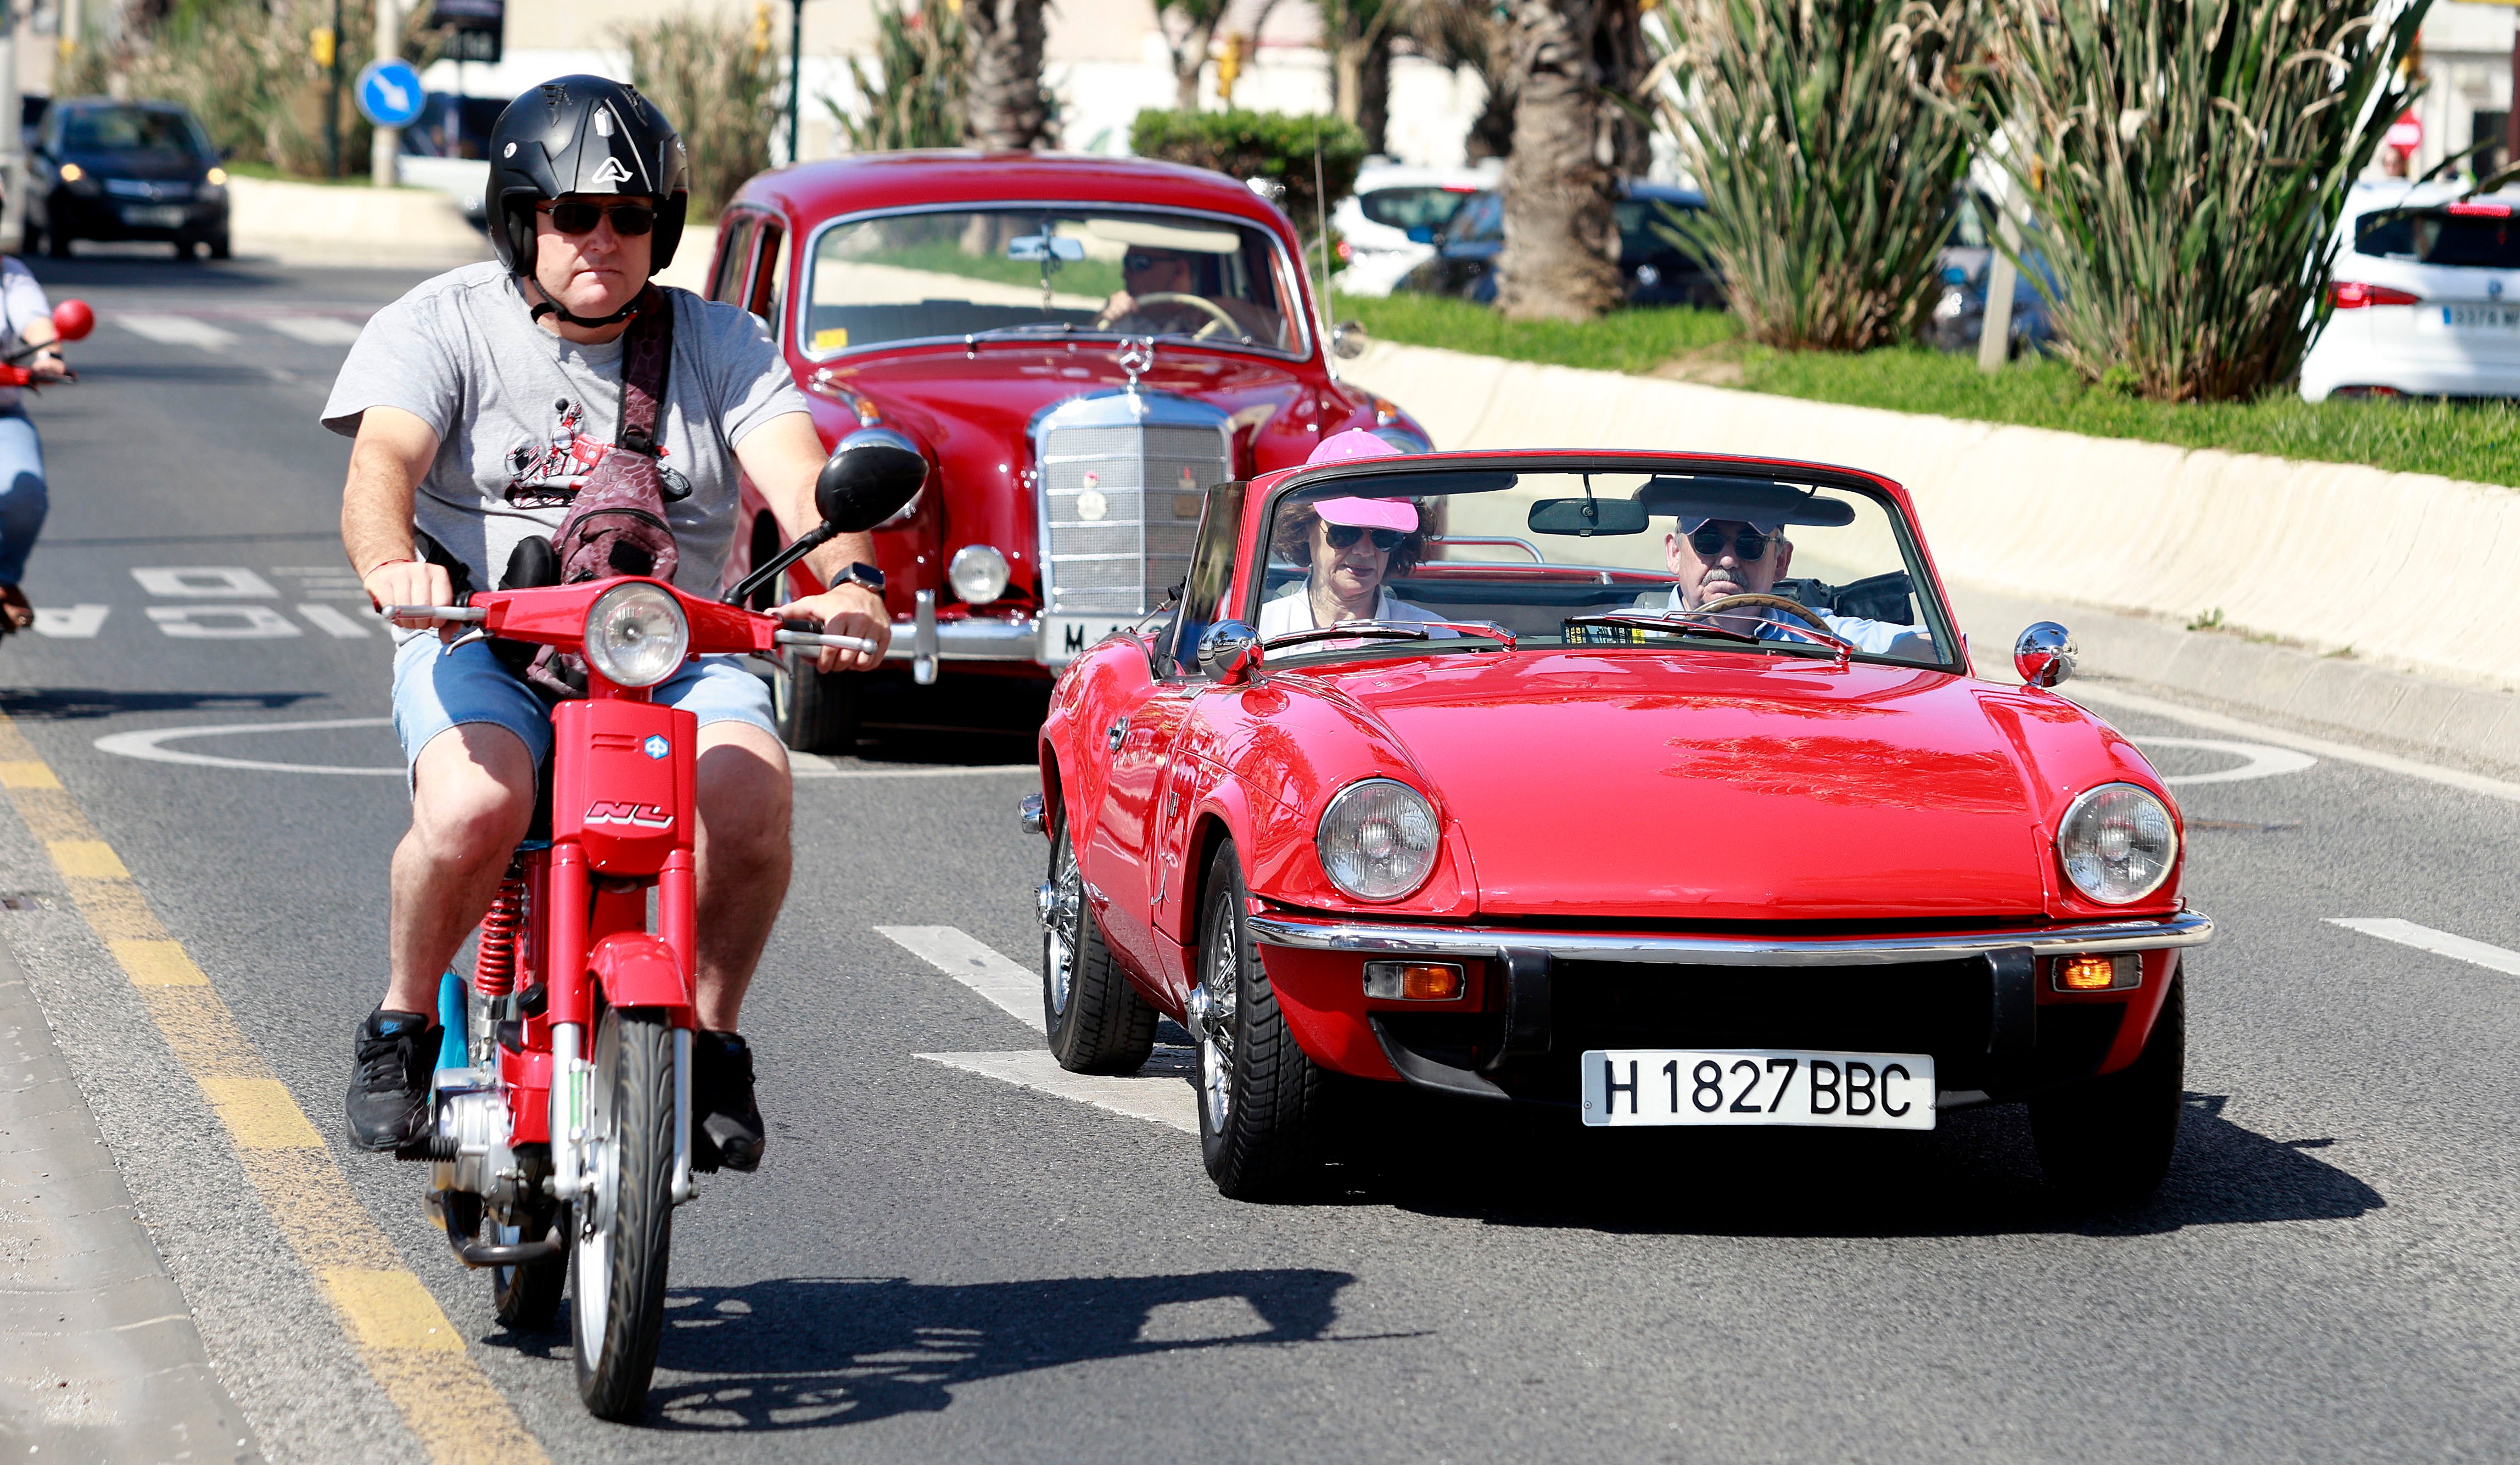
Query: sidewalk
pixel 99 1357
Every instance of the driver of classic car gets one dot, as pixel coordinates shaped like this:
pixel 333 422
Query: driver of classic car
pixel 1152 270
pixel 1711 559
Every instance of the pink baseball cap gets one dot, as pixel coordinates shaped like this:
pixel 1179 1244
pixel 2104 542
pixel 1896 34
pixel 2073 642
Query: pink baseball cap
pixel 1353 443
pixel 1362 513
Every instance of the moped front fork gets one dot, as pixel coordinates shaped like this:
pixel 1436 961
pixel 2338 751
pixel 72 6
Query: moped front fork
pixel 570 1075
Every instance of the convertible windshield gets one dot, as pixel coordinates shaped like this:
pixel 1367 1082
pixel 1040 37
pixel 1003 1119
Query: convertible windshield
pixel 1474 558
pixel 1009 272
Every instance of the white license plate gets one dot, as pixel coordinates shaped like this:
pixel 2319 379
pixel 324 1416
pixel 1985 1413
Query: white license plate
pixel 2481 316
pixel 153 216
pixel 1758 1087
pixel 1065 638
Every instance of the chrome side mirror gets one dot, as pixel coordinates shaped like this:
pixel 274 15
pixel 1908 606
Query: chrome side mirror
pixel 2044 654
pixel 1348 341
pixel 1227 649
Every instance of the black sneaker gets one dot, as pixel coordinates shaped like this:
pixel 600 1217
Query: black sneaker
pixel 388 1100
pixel 727 1126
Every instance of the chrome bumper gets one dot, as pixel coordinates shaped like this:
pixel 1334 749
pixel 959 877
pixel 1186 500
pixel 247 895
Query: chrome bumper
pixel 1345 934
pixel 923 641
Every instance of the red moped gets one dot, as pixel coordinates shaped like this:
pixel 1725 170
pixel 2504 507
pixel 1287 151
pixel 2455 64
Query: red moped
pixel 563 1139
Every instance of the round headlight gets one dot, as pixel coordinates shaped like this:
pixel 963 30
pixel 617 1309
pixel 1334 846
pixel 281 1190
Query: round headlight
pixel 978 574
pixel 2117 843
pixel 1378 839
pixel 636 635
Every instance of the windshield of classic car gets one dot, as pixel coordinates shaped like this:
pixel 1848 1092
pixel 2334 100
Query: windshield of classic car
pixel 1458 560
pixel 1053 273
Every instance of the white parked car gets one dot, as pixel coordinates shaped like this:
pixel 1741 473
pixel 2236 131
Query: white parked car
pixel 1388 225
pixel 2426 296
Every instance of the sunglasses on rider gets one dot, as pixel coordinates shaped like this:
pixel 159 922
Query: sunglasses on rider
pixel 570 216
pixel 1748 544
pixel 1345 536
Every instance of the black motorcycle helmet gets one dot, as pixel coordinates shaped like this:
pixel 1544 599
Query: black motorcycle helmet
pixel 583 135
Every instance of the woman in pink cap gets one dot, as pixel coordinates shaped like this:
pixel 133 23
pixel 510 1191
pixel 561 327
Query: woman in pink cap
pixel 1351 548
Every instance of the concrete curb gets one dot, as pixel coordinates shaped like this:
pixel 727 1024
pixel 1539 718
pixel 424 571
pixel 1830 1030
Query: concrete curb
pixel 2406 569
pixel 101 1360
pixel 309 223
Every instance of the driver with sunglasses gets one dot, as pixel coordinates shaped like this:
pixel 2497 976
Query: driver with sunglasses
pixel 1711 559
pixel 1158 289
pixel 480 403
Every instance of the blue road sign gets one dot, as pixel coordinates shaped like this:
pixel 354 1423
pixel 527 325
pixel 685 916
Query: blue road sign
pixel 389 93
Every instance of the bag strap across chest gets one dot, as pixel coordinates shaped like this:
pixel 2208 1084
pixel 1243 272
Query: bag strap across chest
pixel 647 360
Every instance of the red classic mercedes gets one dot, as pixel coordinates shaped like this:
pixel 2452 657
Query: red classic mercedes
pixel 1654 786
pixel 1083 347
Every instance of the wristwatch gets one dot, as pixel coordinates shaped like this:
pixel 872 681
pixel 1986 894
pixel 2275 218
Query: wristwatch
pixel 861 575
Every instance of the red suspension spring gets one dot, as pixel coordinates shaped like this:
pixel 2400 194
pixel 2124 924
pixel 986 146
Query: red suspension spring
pixel 494 958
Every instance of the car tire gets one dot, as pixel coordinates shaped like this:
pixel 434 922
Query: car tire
pixel 221 247
pixel 2107 1141
pixel 57 244
pixel 816 711
pixel 1264 1107
pixel 1096 1021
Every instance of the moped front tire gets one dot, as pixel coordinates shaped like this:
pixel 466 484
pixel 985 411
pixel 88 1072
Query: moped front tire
pixel 1096 1022
pixel 625 1220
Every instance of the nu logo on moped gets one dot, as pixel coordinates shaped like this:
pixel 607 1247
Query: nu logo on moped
pixel 637 816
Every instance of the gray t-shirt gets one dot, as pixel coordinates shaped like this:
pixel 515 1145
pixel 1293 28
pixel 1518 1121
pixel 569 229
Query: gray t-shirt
pixel 518 412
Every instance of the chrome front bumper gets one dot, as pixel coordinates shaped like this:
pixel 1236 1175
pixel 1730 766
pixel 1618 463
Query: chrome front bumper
pixel 923 641
pixel 1320 933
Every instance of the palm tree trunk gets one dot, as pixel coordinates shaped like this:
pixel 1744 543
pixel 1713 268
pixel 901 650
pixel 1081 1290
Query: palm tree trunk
pixel 1373 94
pixel 1006 108
pixel 1561 240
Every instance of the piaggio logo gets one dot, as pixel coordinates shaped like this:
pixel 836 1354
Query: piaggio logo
pixel 636 815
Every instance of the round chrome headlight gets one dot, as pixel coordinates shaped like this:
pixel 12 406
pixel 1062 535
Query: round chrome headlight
pixel 2117 843
pixel 1378 839
pixel 977 573
pixel 636 635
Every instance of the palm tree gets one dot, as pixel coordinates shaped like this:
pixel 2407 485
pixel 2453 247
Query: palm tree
pixel 1476 35
pixel 1006 106
pixel 1573 138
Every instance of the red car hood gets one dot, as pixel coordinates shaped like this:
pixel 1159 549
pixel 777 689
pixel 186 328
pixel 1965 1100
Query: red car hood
pixel 1721 786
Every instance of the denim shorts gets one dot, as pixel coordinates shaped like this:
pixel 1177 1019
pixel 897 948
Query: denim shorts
pixel 433 692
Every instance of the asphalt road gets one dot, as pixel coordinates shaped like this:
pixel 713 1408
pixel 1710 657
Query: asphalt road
pixel 935 1264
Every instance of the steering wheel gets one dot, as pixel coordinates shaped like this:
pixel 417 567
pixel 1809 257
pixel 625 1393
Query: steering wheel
pixel 1781 603
pixel 1219 320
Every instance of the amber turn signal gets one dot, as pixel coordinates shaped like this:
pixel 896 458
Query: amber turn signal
pixel 1415 981
pixel 2099 973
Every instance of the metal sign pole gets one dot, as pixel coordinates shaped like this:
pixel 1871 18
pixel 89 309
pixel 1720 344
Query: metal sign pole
pixel 796 74
pixel 385 171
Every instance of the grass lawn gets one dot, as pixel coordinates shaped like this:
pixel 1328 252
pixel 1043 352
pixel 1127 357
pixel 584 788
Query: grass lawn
pixel 2478 443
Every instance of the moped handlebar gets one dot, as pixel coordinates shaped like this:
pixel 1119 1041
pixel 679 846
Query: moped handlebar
pixel 439 612
pixel 811 639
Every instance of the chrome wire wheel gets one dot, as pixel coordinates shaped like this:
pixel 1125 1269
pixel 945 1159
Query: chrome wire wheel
pixel 1059 943
pixel 1212 1006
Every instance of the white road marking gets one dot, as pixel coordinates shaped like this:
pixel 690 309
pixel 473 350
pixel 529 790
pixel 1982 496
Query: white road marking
pixel 314 329
pixel 333 623
pixel 2439 943
pixel 1009 984
pixel 806 766
pixel 1169 1100
pixel 2214 721
pixel 71 623
pixel 176 330
pixel 177 580
pixel 149 747
pixel 223 622
pixel 2263 762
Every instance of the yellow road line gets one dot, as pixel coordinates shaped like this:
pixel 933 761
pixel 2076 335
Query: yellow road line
pixel 399 1332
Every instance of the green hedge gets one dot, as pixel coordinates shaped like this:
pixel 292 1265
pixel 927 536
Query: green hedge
pixel 1248 145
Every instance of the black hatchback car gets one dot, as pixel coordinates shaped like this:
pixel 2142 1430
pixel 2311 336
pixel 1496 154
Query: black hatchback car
pixel 104 170
pixel 1656 271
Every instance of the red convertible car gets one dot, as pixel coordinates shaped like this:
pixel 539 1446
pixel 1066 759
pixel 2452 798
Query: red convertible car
pixel 1654 786
pixel 1082 346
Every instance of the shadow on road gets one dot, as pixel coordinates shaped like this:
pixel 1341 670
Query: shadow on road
pixel 847 1350
pixel 1978 1174
pixel 62 704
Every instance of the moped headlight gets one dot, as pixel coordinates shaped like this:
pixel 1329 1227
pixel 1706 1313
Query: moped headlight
pixel 1378 839
pixel 635 634
pixel 2117 843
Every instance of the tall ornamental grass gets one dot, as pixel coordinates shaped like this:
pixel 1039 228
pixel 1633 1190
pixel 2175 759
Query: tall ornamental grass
pixel 1829 136
pixel 718 81
pixel 2185 161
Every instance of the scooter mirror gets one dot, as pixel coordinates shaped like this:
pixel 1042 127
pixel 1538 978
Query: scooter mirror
pixel 74 320
pixel 873 472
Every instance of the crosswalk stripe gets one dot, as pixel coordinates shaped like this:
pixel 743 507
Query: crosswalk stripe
pixel 1005 982
pixel 2439 943
pixel 176 330
pixel 315 329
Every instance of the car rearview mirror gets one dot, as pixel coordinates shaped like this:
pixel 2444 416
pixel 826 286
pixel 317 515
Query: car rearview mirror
pixel 872 473
pixel 1586 517
pixel 1037 248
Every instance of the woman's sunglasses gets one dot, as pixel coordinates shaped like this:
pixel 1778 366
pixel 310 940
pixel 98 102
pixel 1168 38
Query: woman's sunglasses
pixel 571 217
pixel 1748 544
pixel 1345 536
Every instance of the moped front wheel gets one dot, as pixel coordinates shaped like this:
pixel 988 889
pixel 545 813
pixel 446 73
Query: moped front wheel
pixel 624 1220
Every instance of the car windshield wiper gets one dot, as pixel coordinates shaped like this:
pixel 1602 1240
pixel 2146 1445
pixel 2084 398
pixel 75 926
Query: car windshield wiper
pixel 1029 328
pixel 1466 632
